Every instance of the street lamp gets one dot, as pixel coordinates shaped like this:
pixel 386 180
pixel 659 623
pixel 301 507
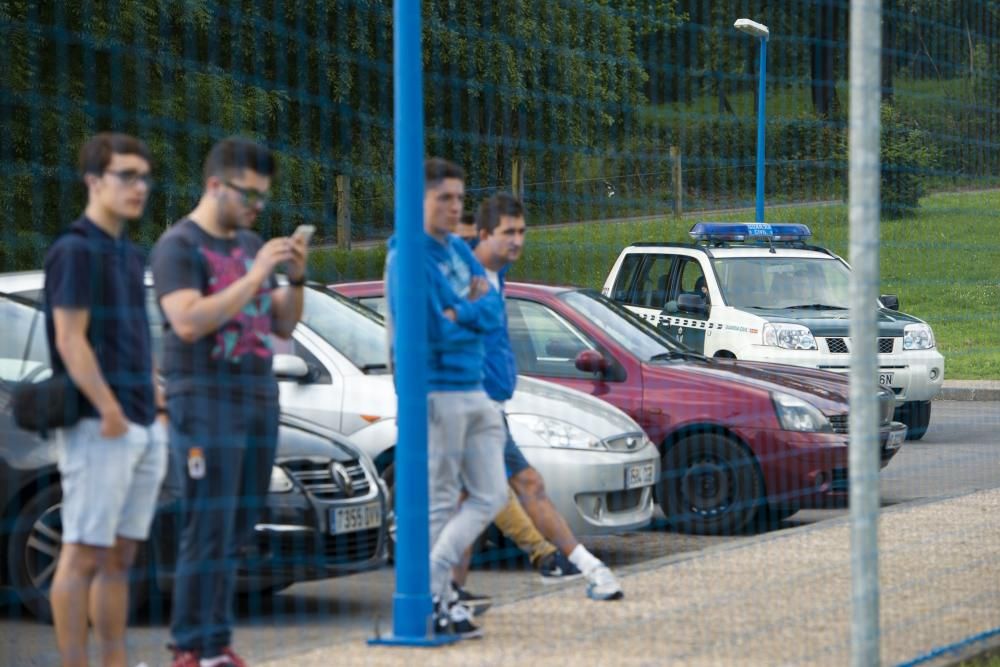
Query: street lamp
pixel 760 31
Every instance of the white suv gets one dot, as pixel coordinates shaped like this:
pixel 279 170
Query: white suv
pixel 759 292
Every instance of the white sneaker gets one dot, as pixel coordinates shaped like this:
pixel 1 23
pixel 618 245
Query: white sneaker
pixel 602 584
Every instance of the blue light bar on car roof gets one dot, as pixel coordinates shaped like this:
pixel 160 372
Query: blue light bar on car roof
pixel 746 231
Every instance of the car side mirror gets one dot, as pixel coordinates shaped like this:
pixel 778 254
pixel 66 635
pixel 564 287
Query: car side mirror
pixel 290 367
pixel 591 361
pixel 692 303
pixel 890 301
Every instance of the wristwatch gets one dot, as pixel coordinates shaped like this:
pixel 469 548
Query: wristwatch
pixel 297 283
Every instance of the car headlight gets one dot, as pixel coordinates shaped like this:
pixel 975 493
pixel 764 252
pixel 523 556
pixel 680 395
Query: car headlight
pixel 280 481
pixel 558 433
pixel 795 414
pixel 917 337
pixel 789 336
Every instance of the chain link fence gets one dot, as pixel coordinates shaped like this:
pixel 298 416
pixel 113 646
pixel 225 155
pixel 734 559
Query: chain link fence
pixel 616 122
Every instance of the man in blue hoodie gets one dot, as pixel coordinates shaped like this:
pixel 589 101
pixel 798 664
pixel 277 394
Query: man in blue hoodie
pixel 465 431
pixel 501 227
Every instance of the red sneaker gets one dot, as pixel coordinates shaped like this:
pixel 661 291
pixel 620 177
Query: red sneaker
pixel 185 658
pixel 234 660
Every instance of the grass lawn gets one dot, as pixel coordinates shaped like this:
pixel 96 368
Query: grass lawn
pixel 944 264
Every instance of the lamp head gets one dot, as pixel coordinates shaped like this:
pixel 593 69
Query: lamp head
pixel 752 28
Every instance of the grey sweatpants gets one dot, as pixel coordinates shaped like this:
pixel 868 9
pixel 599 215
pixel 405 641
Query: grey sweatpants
pixel 465 439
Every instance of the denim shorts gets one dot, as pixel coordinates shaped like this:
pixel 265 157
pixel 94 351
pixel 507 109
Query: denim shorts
pixel 109 485
pixel 513 459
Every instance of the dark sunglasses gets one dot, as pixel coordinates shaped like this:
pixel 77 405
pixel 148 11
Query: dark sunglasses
pixel 250 196
pixel 131 176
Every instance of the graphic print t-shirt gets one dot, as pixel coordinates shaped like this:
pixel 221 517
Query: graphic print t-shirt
pixel 237 356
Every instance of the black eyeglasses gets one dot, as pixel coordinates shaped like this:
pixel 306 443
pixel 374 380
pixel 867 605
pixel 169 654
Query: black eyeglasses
pixel 131 176
pixel 250 196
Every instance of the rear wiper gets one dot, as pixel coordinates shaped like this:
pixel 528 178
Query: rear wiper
pixel 816 306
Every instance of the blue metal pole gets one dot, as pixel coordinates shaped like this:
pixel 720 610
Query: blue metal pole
pixel 761 105
pixel 412 605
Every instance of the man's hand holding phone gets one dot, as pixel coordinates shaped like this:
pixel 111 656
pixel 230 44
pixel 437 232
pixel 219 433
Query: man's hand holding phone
pixel 299 241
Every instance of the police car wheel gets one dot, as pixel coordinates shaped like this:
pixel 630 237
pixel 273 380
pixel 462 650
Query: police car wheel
pixel 917 417
pixel 710 485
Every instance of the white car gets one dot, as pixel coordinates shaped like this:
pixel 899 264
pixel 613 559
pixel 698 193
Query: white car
pixel 758 292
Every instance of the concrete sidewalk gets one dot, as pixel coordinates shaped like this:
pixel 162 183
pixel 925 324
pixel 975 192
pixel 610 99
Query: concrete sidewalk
pixel 970 390
pixel 777 599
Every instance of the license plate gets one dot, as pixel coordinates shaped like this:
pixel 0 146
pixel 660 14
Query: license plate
pixel 352 519
pixel 885 379
pixel 639 475
pixel 896 439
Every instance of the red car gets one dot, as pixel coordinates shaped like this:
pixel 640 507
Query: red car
pixel 741 442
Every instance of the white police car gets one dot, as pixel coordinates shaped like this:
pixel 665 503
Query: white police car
pixel 759 292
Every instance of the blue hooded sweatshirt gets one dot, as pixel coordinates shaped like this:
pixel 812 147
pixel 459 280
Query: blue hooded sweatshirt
pixel 500 366
pixel 455 349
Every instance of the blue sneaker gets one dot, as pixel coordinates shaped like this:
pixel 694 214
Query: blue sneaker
pixel 555 568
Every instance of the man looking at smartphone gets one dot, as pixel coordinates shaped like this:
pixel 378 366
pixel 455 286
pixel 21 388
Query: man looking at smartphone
pixel 215 283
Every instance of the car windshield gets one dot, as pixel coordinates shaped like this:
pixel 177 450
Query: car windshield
pixel 783 282
pixel 625 328
pixel 355 331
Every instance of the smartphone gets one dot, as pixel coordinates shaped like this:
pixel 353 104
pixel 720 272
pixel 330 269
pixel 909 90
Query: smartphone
pixel 305 231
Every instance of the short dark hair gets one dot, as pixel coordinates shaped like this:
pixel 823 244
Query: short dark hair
pixel 436 169
pixel 96 152
pixel 499 205
pixel 468 218
pixel 235 154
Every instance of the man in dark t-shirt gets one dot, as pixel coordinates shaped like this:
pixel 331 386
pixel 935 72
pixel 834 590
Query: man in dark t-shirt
pixel 111 461
pixel 215 283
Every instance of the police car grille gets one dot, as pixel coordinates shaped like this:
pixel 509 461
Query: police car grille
pixel 316 478
pixel 836 345
pixel 885 345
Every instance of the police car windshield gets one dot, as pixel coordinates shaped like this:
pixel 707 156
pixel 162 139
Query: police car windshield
pixel 819 283
pixel 624 327
pixel 353 330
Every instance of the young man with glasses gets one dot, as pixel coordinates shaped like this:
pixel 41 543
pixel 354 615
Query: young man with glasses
pixel 215 283
pixel 112 461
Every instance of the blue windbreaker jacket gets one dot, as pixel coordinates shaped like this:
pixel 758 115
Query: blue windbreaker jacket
pixel 455 349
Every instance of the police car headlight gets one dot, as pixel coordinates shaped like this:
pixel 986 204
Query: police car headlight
pixel 557 433
pixel 795 414
pixel 789 336
pixel 917 337
pixel 280 481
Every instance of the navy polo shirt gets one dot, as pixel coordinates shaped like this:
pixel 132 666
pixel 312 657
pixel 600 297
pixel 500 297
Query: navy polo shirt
pixel 87 268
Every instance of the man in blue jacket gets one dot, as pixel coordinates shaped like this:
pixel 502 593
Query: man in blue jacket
pixel 465 431
pixel 501 227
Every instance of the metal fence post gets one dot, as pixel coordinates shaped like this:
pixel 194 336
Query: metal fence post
pixel 344 212
pixel 863 188
pixel 676 174
pixel 517 177
pixel 412 609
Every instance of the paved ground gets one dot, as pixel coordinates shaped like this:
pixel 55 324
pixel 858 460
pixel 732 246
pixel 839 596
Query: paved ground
pixel 959 455
pixel 940 582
